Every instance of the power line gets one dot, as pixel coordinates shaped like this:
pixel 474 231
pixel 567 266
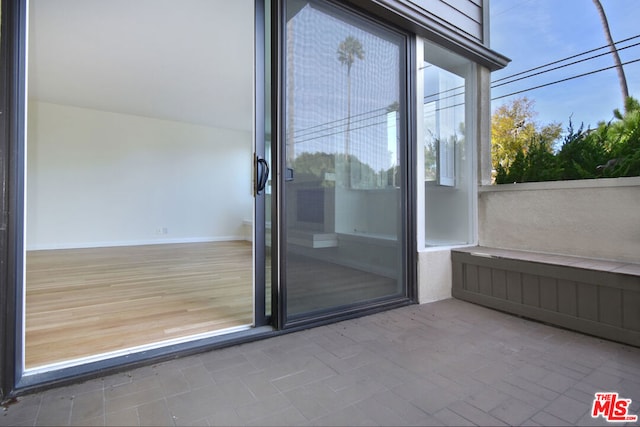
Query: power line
pixel 312 132
pixel 339 132
pixel 563 80
pixel 298 131
pixel 311 136
pixel 335 125
pixel 564 59
pixel 330 128
pixel 540 67
pixel 510 8
pixel 559 67
pixel 431 95
pixel 536 74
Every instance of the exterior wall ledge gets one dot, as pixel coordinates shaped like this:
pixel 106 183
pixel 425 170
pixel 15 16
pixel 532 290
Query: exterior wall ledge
pixel 596 218
pixel 446 247
pixel 563 185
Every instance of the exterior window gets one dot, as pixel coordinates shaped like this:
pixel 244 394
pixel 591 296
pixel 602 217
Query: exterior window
pixel 448 153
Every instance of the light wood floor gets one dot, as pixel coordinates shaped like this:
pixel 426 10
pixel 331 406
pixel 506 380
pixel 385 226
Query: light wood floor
pixel 314 285
pixel 82 302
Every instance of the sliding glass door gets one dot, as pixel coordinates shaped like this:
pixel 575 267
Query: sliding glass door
pixel 149 218
pixel 146 179
pixel 344 161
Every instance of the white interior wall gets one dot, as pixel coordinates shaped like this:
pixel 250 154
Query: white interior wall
pixel 98 178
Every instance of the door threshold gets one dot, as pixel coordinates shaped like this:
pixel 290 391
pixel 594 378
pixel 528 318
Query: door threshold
pixel 77 370
pixel 131 350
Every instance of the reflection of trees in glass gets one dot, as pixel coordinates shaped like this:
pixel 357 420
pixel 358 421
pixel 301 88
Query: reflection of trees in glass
pixel 431 158
pixel 440 153
pixel 377 167
pixel 375 164
pixel 319 168
pixel 316 168
pixel 349 50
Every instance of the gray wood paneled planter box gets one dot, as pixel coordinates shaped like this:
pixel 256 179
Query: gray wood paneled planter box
pixel 596 297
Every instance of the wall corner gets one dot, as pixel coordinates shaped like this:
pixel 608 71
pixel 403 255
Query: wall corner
pixel 434 275
pixel 484 126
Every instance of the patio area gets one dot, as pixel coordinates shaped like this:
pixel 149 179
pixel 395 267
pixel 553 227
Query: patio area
pixel 444 363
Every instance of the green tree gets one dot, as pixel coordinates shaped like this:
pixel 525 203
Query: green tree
pixel 623 141
pixel 581 153
pixel 611 150
pixel 537 164
pixel 513 129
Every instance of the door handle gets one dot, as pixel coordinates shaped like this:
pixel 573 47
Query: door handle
pixel 288 174
pixel 262 175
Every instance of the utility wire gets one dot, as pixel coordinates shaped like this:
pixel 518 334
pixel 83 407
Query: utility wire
pixel 309 133
pixel 563 80
pixel 339 132
pixel 542 66
pixel 297 131
pixel 510 8
pixel 431 95
pixel 461 104
pixel 564 59
pixel 560 66
pixel 335 125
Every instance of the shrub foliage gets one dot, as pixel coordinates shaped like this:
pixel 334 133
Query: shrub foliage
pixel 609 151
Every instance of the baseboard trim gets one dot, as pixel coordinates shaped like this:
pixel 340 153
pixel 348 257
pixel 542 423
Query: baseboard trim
pixel 88 245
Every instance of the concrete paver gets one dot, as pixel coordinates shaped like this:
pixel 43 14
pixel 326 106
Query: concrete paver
pixel 444 363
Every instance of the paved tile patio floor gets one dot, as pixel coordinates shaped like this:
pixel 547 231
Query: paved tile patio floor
pixel 444 363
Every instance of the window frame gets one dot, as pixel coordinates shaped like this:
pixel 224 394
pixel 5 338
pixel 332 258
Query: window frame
pixel 465 172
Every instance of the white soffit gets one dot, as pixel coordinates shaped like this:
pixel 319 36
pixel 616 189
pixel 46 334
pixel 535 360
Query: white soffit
pixel 188 61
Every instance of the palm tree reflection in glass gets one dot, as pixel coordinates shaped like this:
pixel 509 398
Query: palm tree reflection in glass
pixel 349 50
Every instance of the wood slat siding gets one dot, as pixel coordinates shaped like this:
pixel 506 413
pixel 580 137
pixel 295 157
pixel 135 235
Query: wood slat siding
pixel 464 15
pixel 444 22
pixel 597 301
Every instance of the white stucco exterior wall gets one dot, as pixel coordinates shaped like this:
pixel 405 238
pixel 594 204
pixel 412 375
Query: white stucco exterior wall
pixel 434 275
pixel 434 264
pixel 597 218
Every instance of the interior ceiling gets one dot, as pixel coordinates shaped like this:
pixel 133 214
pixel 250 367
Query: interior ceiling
pixel 189 61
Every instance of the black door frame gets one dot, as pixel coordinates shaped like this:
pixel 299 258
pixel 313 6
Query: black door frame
pixel 259 216
pixel 13 66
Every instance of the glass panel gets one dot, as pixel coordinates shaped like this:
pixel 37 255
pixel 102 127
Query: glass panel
pixel 139 165
pixel 447 148
pixel 344 191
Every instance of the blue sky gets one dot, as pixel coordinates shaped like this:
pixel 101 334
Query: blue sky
pixel 536 32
